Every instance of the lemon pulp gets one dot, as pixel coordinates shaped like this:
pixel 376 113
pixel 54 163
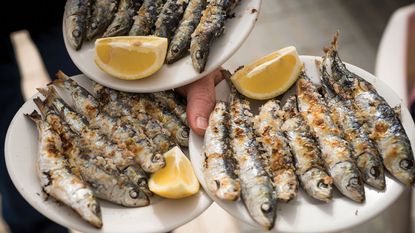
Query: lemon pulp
pixel 176 179
pixel 124 60
pixel 270 75
pixel 130 57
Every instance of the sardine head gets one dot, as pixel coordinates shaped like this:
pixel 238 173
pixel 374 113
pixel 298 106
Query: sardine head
pixel 318 184
pixel 348 181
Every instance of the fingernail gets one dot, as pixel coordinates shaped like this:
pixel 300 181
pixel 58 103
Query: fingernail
pixel 201 123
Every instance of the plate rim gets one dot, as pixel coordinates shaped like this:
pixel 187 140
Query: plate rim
pixel 367 217
pixel 133 88
pixel 203 199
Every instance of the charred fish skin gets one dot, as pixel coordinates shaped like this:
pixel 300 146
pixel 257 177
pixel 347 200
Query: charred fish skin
pixel 125 135
pixel 335 151
pixel 275 149
pixel 123 19
pixel 211 26
pixel 91 139
pixel 75 17
pixel 57 180
pixel 365 152
pixel 173 102
pixel 102 175
pixel 309 166
pixel 178 130
pixel 169 18
pixel 74 143
pixel 256 187
pixel 103 12
pixel 116 105
pixel 218 167
pixel 385 127
pixel 146 17
pixel 181 41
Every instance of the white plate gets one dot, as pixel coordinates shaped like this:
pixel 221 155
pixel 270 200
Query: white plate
pixel 162 215
pixel 181 72
pixel 303 214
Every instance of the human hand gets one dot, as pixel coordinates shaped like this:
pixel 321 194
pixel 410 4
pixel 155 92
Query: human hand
pixel 200 100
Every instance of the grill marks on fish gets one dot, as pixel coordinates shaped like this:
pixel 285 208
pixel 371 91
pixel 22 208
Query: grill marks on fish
pixel 378 117
pixel 335 150
pixel 57 179
pixel 75 19
pixel 219 166
pixel 364 150
pixel 309 166
pixel 256 187
pixel 116 104
pixel 275 149
pixel 103 12
pixel 123 19
pixel 169 18
pixel 144 21
pixel 123 134
pixel 180 43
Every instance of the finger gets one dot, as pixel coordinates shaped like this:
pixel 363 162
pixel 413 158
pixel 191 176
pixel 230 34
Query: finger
pixel 200 103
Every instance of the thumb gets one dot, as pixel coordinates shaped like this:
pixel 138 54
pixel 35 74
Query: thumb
pixel 200 102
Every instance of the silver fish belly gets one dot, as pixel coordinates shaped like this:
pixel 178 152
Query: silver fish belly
pixel 75 143
pixel 123 19
pixel 180 43
pixel 379 118
pixel 57 180
pixel 334 149
pixel 309 166
pixel 219 167
pixel 103 11
pixel 275 149
pixel 75 18
pixel 364 150
pixel 146 17
pixel 256 187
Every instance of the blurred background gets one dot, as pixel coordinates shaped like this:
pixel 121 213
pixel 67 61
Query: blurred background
pixel 306 24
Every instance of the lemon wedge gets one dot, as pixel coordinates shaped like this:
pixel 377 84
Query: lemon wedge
pixel 130 57
pixel 177 179
pixel 270 75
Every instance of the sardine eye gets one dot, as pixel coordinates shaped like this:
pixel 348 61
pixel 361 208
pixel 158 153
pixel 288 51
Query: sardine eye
pixel 374 171
pixel 406 164
pixel 354 181
pixel 321 184
pixel 175 49
pixel 266 207
pixel 133 194
pixel 96 208
pixel 184 134
pixel 76 33
pixel 156 158
pixel 199 54
pixel 141 182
